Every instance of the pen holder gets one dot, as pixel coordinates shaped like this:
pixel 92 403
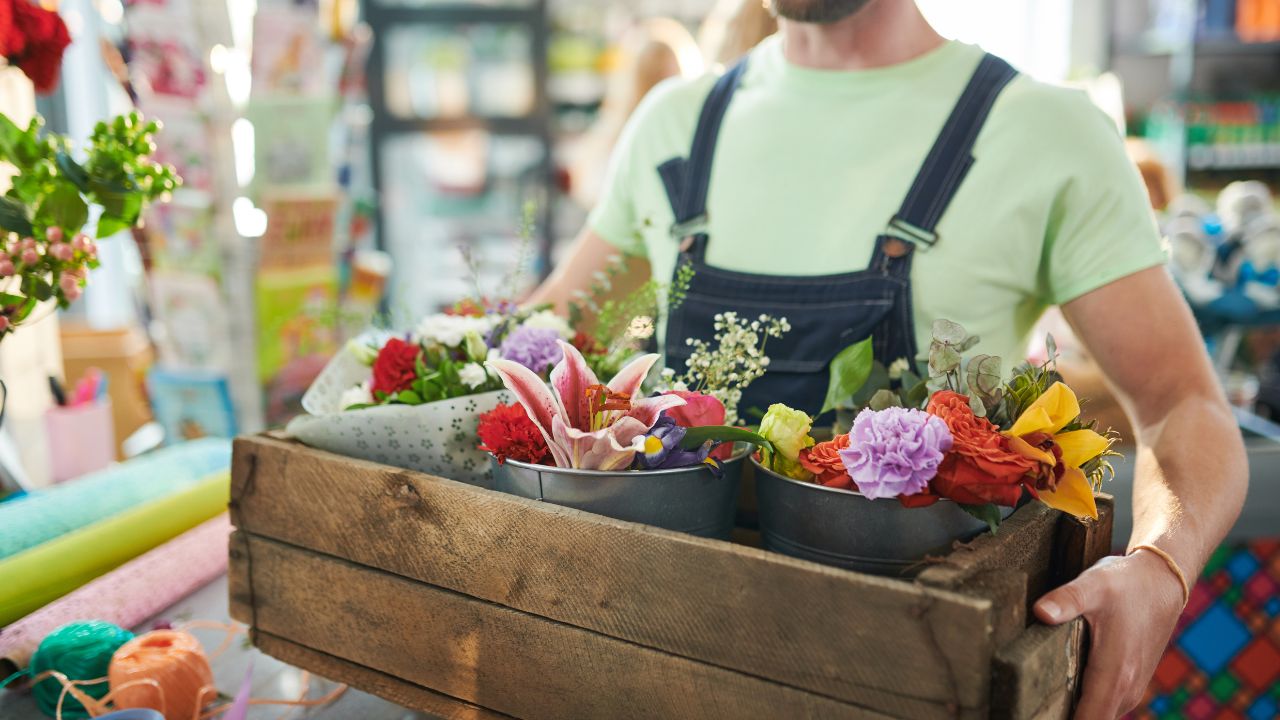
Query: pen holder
pixel 81 438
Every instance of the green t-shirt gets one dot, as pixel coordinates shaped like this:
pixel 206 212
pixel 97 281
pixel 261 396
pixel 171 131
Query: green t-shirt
pixel 811 164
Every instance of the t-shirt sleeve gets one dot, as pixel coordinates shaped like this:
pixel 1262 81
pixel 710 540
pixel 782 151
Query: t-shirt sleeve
pixel 1101 227
pixel 614 218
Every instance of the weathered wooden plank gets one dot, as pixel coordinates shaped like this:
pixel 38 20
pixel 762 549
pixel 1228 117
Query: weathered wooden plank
pixel 1034 674
pixel 740 608
pixel 384 686
pixel 1023 544
pixel 497 658
pixel 1078 544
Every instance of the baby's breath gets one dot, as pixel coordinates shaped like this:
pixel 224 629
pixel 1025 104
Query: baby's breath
pixel 736 357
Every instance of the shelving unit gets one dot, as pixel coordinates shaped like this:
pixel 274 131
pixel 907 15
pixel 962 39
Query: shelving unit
pixel 443 104
pixel 1179 68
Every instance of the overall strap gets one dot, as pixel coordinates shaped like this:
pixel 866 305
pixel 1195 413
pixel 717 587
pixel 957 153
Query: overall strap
pixel 686 180
pixel 951 156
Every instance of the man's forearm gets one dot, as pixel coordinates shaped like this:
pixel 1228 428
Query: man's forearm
pixel 1190 479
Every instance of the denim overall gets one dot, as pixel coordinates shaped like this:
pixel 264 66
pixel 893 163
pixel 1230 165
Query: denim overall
pixel 827 313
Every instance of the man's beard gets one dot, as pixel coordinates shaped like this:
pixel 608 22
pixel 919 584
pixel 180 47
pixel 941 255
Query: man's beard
pixel 816 11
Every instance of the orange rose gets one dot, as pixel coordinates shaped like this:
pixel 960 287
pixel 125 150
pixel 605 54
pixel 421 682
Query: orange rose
pixel 823 460
pixel 981 467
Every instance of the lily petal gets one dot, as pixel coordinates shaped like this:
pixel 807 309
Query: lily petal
pixel 598 449
pixel 1080 446
pixel 1074 495
pixel 571 378
pixel 1049 413
pixel 647 410
pixel 629 378
pixel 1026 449
pixel 530 390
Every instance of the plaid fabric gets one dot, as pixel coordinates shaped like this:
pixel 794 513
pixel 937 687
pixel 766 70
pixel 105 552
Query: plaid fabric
pixel 1224 659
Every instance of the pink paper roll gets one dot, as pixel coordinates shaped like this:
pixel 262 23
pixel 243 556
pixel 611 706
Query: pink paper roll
pixel 128 595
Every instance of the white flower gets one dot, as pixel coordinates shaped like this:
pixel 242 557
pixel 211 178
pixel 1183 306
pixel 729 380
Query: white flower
pixel 897 367
pixel 363 352
pixel 472 375
pixel 451 330
pixel 548 320
pixel 358 395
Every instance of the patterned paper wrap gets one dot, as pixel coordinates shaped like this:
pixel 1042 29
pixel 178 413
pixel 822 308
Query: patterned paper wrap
pixel 437 438
pixel 131 593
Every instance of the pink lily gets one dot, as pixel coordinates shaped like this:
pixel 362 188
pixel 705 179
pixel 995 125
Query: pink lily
pixel 587 425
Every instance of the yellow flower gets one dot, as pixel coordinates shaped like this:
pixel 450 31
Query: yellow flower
pixel 1038 434
pixel 788 430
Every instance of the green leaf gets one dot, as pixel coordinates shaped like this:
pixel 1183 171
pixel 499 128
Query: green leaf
pixel 1051 346
pixel 968 344
pixel 849 372
pixel 989 514
pixel 72 170
pixel 25 311
pixel 409 397
pixel 65 208
pixel 918 394
pixel 884 399
pixel 942 360
pixel 13 216
pixel 9 299
pixel 109 225
pixel 877 380
pixel 983 374
pixel 975 404
pixel 695 437
pixel 43 291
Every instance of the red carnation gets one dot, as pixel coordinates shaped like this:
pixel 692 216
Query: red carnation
pixel 508 433
pixel 36 42
pixel 396 367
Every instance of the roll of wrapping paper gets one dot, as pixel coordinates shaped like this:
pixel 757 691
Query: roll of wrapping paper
pixel 36 577
pixel 128 595
pixel 44 515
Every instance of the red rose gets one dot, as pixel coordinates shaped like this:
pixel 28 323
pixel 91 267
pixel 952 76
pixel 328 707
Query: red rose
pixel 700 410
pixel 36 44
pixel 823 460
pixel 507 432
pixel 396 367
pixel 981 467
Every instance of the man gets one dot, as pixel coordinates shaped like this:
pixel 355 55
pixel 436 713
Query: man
pixel 857 132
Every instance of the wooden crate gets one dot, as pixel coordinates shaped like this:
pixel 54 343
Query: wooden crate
pixel 468 603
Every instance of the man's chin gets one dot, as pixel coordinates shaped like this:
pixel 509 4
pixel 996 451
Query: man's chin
pixel 819 12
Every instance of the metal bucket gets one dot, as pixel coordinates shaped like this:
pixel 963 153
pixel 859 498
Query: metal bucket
pixel 845 529
pixel 691 500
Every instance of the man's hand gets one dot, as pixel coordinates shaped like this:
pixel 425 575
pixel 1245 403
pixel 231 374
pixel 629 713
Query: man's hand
pixel 1190 477
pixel 1131 604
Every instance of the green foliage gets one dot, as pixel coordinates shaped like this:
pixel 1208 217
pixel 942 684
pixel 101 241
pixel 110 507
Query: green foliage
pixel 849 372
pixel 988 513
pixel 695 437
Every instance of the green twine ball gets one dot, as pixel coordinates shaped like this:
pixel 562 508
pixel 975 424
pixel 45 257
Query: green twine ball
pixel 81 651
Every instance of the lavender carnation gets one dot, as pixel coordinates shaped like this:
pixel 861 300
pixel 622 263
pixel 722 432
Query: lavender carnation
pixel 534 348
pixel 895 451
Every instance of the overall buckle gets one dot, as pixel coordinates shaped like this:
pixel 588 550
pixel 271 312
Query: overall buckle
pixel 690 227
pixel 904 230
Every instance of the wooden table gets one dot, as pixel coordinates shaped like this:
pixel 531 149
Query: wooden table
pixel 271 678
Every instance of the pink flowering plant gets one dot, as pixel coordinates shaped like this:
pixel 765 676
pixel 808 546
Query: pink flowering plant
pixel 44 255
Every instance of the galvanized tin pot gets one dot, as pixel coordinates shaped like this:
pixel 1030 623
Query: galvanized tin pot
pixel 845 529
pixel 691 500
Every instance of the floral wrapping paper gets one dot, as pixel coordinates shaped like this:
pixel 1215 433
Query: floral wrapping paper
pixel 437 438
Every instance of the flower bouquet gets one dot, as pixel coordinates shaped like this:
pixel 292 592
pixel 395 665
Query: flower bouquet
pixel 412 401
pixel 611 450
pixel 928 461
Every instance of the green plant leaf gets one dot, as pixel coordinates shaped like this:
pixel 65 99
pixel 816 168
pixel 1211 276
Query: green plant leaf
pixel 13 216
pixel 695 437
pixel 951 333
pixel 942 360
pixel 65 208
pixel 72 170
pixel 877 380
pixel 884 399
pixel 918 394
pixel 9 299
pixel 109 225
pixel 989 514
pixel 409 397
pixel 849 372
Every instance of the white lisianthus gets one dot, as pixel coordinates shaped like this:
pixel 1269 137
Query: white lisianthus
pixel 451 330
pixel 548 320
pixel 362 351
pixel 358 395
pixel 472 375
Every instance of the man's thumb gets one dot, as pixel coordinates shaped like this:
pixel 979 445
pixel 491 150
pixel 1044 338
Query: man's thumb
pixel 1065 603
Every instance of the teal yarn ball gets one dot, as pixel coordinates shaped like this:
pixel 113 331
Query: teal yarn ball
pixel 81 651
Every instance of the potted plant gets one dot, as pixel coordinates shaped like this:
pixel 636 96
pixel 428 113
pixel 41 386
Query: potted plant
pixel 934 461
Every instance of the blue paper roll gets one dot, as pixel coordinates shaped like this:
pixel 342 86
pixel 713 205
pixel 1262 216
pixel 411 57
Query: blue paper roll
pixel 45 515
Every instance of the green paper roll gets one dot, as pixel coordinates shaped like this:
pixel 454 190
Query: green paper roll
pixel 31 579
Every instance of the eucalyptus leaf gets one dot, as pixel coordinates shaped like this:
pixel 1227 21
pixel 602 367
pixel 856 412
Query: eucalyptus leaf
pixel 884 399
pixel 951 333
pixel 983 374
pixel 989 514
pixel 696 436
pixel 849 372
pixel 968 344
pixel 942 360
pixel 975 404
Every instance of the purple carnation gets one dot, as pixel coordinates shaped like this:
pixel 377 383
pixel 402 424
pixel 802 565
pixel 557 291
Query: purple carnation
pixel 895 451
pixel 534 348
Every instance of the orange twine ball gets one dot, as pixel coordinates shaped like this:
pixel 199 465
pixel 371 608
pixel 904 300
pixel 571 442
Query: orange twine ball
pixel 164 670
